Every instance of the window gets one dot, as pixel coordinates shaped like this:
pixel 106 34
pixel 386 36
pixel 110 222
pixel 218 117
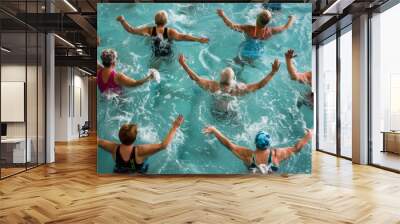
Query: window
pixel 385 89
pixel 346 94
pixel 327 96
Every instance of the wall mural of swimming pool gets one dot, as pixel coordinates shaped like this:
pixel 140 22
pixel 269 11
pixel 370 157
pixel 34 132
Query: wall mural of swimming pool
pixel 204 88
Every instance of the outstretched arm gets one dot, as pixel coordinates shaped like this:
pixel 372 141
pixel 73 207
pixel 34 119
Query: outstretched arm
pixel 204 83
pixel 280 29
pixel 285 153
pixel 229 23
pixel 240 152
pixel 147 150
pixel 124 80
pixel 143 31
pixel 109 146
pixel 175 35
pixel 304 78
pixel 255 86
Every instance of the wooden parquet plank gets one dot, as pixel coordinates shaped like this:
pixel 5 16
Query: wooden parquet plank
pixel 70 191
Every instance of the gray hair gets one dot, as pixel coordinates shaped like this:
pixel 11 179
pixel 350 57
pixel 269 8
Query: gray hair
pixel 108 57
pixel 227 76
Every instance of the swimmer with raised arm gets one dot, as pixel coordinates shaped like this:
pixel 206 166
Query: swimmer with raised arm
pixel 109 80
pixel 130 158
pixel 265 158
pixel 252 47
pixel 301 77
pixel 227 83
pixel 162 36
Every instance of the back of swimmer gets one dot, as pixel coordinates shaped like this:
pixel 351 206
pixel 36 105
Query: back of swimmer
pixel 161 35
pixel 109 80
pixel 264 159
pixel 131 158
pixel 261 30
pixel 252 48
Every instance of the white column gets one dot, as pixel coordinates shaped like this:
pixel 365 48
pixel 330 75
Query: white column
pixel 360 90
pixel 50 92
pixel 50 100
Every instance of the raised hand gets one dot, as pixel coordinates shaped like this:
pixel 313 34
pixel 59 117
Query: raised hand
pixel 120 18
pixel 276 65
pixel 220 12
pixel 182 59
pixel 178 121
pixel 290 54
pixel 209 129
pixel 308 133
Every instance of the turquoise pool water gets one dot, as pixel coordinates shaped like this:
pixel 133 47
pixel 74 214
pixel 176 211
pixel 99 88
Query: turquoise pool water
pixel 154 106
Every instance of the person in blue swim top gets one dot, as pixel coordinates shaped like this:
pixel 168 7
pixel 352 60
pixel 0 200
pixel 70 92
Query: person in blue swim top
pixel 161 35
pixel 264 159
pixel 252 47
pixel 130 158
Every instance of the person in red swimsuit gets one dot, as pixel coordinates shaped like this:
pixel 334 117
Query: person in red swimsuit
pixel 108 80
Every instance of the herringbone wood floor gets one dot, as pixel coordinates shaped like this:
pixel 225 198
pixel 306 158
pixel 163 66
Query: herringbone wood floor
pixel 70 191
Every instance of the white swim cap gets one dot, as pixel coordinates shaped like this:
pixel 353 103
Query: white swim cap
pixel 227 76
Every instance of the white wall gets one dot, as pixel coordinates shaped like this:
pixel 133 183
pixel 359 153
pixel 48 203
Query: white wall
pixel 34 125
pixel 70 83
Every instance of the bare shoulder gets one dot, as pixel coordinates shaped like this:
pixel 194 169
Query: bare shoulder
pixel 247 28
pixel 148 30
pixel 214 85
pixel 171 31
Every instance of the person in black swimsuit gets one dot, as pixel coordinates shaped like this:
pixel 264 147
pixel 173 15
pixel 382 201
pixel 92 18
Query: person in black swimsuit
pixel 131 158
pixel 162 36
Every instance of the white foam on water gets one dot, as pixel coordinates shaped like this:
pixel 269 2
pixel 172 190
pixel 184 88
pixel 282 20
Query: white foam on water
pixel 252 129
pixel 201 59
pixel 148 134
pixel 156 74
pixel 174 17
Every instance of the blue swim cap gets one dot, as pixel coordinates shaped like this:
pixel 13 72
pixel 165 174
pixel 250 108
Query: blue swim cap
pixel 263 140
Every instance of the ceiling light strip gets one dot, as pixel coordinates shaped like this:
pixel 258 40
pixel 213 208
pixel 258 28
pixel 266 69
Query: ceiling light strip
pixel 65 41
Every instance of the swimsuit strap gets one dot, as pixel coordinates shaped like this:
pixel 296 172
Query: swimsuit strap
pixel 154 31
pixel 269 157
pixel 165 34
pixel 133 156
pixel 253 158
pixel 266 33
